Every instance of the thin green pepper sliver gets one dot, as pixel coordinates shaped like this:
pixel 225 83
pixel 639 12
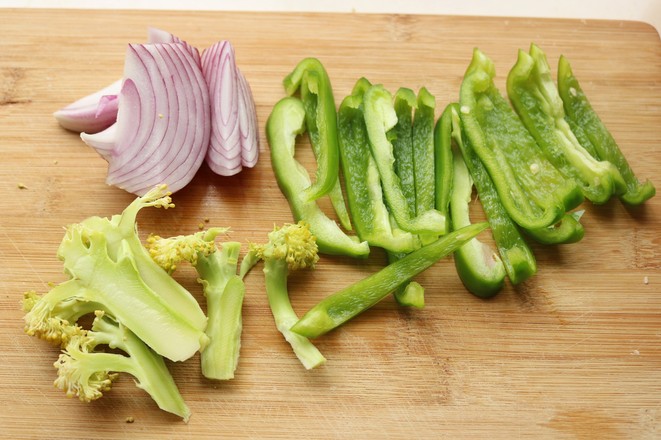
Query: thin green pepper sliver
pixel 531 189
pixel 535 98
pixel 286 121
pixel 423 151
pixel 480 268
pixel 517 257
pixel 595 137
pixel 380 118
pixel 370 215
pixel 401 136
pixel 340 307
pixel 316 93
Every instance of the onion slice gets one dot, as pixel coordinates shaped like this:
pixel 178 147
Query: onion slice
pixel 247 123
pixel 234 134
pixel 155 35
pixel 92 113
pixel 163 124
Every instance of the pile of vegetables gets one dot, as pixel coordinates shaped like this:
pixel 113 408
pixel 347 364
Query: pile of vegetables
pixel 172 110
pixel 409 179
pixel 397 177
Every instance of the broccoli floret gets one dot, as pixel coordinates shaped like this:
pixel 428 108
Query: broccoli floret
pixel 291 247
pixel 223 289
pixel 85 372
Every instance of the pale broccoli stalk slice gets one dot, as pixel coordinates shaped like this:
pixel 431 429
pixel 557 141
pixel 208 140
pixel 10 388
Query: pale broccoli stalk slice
pixel 223 289
pixel 291 247
pixel 87 374
pixel 119 288
pixel 123 228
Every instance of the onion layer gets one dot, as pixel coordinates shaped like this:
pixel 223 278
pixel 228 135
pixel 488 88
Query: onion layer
pixel 92 113
pixel 163 124
pixel 234 135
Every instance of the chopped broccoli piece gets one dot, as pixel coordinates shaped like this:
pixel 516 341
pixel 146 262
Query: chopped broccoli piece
pixel 223 289
pixel 117 288
pixel 87 373
pixel 291 247
pixel 121 230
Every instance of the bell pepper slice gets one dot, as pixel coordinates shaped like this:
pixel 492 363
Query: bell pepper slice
pixel 567 230
pixel 340 307
pixel 401 136
pixel 380 118
pixel 480 268
pixel 370 215
pixel 595 137
pixel 285 123
pixel 531 189
pixel 518 259
pixel 535 98
pixel 311 79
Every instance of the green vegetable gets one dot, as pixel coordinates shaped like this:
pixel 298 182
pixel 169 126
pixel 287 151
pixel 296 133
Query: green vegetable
pixel 443 165
pixel 291 247
pixel 414 153
pixel 595 137
pixel 86 372
pixel 401 137
pixel 341 306
pixel 480 268
pixel 567 230
pixel 423 157
pixel 535 98
pixel 380 118
pixel 370 215
pixel 316 93
pixel 515 254
pixel 287 120
pixel 223 289
pixel 531 189
pixel 104 258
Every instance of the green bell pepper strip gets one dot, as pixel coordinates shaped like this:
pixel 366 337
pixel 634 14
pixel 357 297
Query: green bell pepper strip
pixel 316 93
pixel 443 164
pixel 514 252
pixel 531 189
pixel 404 151
pixel 370 215
pixel 380 117
pixel 401 137
pixel 341 306
pixel 423 152
pixel 535 98
pixel 567 230
pixel 480 268
pixel 286 121
pixel 595 137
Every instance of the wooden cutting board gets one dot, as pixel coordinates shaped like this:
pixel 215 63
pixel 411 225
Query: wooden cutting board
pixel 574 353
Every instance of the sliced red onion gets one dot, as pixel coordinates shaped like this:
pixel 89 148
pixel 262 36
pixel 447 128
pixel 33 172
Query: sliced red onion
pixel 247 123
pixel 92 113
pixel 160 36
pixel 163 124
pixel 220 73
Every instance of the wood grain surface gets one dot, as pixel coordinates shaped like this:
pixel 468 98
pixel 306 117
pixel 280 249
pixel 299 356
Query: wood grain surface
pixel 574 353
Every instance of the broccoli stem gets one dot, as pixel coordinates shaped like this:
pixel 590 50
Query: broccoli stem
pixel 153 375
pixel 86 373
pixel 275 274
pixel 224 291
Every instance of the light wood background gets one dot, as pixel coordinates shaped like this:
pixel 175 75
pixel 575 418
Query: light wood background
pixel 574 353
